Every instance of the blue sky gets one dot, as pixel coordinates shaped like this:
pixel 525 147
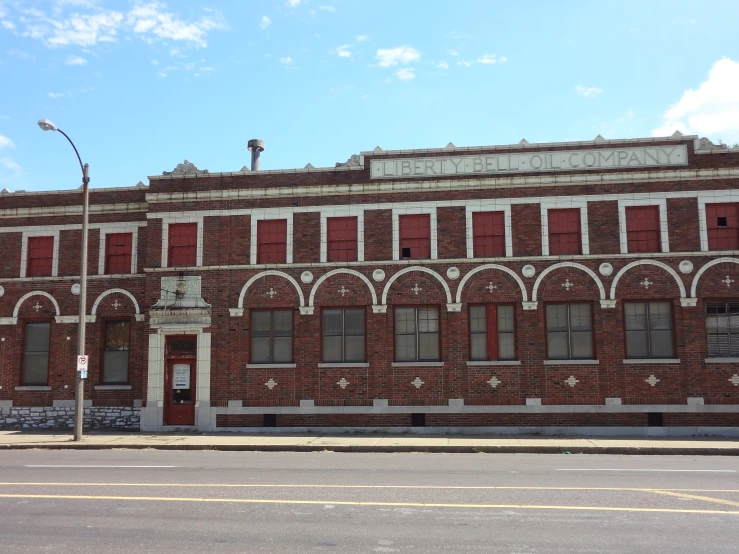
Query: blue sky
pixel 142 85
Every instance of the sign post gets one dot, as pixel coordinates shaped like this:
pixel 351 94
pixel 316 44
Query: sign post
pixel 82 366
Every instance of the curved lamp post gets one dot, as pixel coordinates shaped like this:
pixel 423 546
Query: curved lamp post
pixel 79 390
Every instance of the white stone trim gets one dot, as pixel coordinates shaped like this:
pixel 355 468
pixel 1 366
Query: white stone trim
pixel 342 211
pixel 125 227
pixel 113 387
pixel 650 200
pixel 265 274
pixel 644 361
pixel 507 270
pixel 721 361
pixel 114 291
pixel 431 272
pixel 475 206
pixel 417 364
pixel 271 366
pixel 560 204
pixel 581 267
pixel 493 362
pixel 321 279
pixel 347 365
pixel 702 270
pixel 635 263
pixel 40 232
pixel 46 211
pixel 192 217
pixel 272 214
pixel 35 293
pixel 415 208
pixel 571 362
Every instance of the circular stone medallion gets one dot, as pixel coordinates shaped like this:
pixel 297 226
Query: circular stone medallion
pixel 76 289
pixel 605 269
pixel 528 270
pixel 2 291
pixel 452 273
pixel 686 266
pixel 306 277
pixel 378 275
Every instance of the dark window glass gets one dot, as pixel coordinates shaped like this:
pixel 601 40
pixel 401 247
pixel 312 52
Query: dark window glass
pixel 36 353
pixel 492 332
pixel 343 335
pixel 115 355
pixel 648 330
pixel 417 334
pixel 569 332
pixel 272 336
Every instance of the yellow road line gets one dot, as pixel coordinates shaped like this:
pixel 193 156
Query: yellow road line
pixel 358 503
pixel 299 486
pixel 694 497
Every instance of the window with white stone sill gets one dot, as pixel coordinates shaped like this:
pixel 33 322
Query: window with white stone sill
pixel 343 331
pixel 570 331
pixel 649 330
pixel 722 329
pixel 492 332
pixel 271 337
pixel 417 334
pixel 36 353
pixel 116 351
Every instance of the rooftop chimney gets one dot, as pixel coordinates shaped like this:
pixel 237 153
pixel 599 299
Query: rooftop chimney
pixel 255 147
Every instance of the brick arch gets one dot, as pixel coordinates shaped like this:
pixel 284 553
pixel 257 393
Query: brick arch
pixel 510 272
pixel 637 263
pixel 702 270
pixel 258 276
pixel 422 270
pixel 581 267
pixel 339 271
pixel 35 293
pixel 115 291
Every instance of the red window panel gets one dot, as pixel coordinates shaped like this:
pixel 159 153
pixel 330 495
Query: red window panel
pixel 642 229
pixel 723 226
pixel 40 256
pixel 415 236
pixel 118 252
pixel 342 239
pixel 564 231
pixel 183 241
pixel 488 230
pixel 272 241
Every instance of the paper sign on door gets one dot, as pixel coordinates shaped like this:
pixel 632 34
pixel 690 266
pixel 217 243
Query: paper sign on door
pixel 181 376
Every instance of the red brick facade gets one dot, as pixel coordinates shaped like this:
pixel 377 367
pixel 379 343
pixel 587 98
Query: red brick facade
pixel 607 387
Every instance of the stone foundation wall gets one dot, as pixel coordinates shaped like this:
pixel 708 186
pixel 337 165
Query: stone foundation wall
pixel 96 417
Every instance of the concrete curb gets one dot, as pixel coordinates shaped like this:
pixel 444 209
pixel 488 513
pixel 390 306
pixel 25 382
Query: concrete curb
pixel 390 449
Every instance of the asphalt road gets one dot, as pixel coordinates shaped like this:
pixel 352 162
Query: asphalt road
pixel 145 502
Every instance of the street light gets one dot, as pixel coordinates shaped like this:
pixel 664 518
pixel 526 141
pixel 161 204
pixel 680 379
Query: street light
pixel 79 390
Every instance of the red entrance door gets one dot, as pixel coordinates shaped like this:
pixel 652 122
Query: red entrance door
pixel 179 392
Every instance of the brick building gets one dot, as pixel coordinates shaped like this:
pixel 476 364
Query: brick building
pixel 591 284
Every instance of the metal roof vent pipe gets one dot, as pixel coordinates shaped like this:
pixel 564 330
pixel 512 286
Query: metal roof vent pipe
pixel 256 146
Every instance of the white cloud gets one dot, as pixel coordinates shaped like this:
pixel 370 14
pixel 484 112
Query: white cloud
pixel 587 92
pixel 149 18
pixel 405 74
pixel 286 60
pixel 362 38
pixel 452 52
pixel 75 60
pixel 502 59
pixel 55 95
pixel 330 9
pixel 711 110
pixel 344 51
pixel 394 56
pixel 465 64
pixel 293 3
pixel 487 59
pixel 442 65
pixel 9 25
pixel 154 62
pixel 266 22
pixel 5 142
pixel 15 169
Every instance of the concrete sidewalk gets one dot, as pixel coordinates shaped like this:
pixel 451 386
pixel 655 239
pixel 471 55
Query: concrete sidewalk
pixel 11 440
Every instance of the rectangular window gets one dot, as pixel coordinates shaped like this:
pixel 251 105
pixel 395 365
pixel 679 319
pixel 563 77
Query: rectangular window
pixel 492 332
pixel 488 234
pixel 564 231
pixel 722 221
pixel 417 334
pixel 115 354
pixel 648 330
pixel 569 332
pixel 40 256
pixel 272 241
pixel 183 243
pixel 341 234
pixel 118 253
pixel 415 236
pixel 36 353
pixel 343 335
pixel 272 336
pixel 722 328
pixel 642 229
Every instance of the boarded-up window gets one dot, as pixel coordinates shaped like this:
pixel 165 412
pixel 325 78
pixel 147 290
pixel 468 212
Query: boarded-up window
pixel 118 253
pixel 415 236
pixel 564 231
pixel 183 241
pixel 272 241
pixel 40 256
pixel 722 221
pixel 642 229
pixel 488 232
pixel 342 239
